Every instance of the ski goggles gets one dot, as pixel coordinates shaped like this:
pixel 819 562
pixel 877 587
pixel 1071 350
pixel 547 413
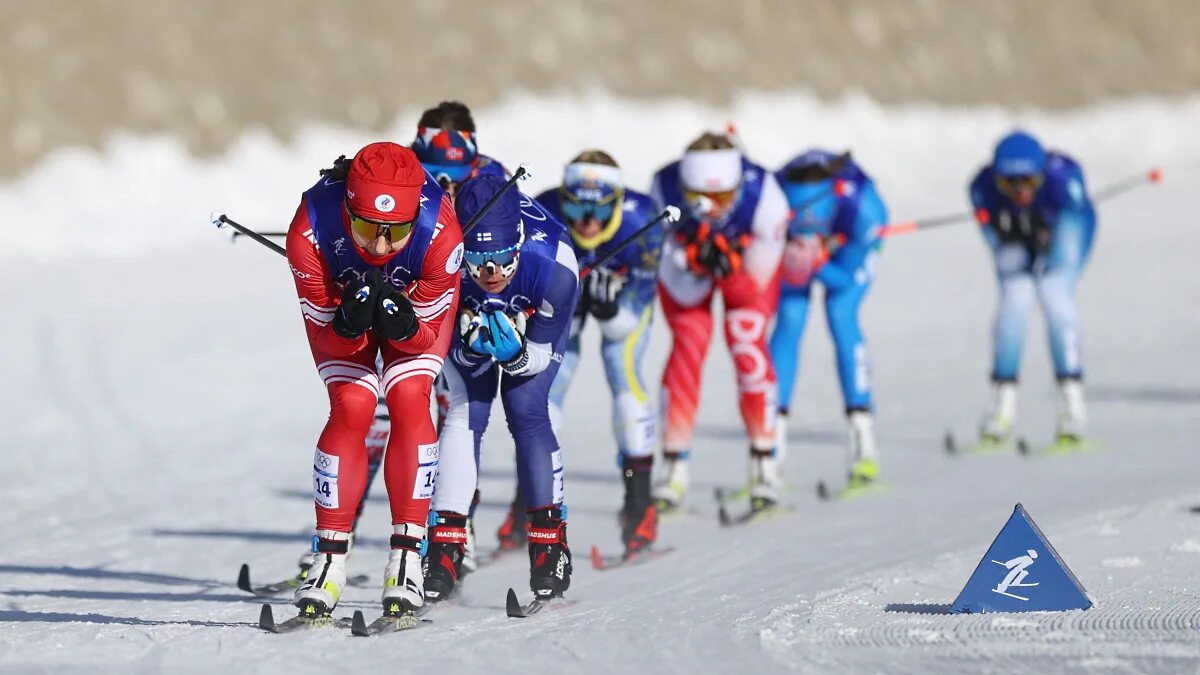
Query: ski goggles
pixel 580 203
pixel 503 261
pixel 446 174
pixel 371 229
pixel 712 201
pixel 1011 185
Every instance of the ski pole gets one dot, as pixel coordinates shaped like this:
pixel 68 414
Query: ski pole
pixel 221 220
pixel 670 214
pixel 265 234
pixel 1152 176
pixel 520 174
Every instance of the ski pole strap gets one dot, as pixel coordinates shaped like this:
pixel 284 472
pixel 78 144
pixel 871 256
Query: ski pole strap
pixel 669 214
pixel 518 175
pixel 223 219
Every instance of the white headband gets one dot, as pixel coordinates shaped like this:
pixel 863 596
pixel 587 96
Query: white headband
pixel 579 172
pixel 711 170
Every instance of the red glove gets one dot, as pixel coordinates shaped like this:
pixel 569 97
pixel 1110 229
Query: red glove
pixel 803 256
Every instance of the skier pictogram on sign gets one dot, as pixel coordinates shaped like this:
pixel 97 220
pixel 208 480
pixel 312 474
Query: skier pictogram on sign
pixel 1021 572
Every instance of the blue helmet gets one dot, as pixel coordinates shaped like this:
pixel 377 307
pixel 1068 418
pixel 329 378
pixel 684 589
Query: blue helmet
pixel 1019 154
pixel 495 241
pixel 810 183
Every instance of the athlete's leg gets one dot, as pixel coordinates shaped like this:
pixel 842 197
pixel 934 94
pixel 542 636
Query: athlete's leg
pixel 786 337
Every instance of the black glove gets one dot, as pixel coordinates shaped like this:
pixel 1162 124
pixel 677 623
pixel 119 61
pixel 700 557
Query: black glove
pixel 396 318
pixel 602 288
pixel 356 314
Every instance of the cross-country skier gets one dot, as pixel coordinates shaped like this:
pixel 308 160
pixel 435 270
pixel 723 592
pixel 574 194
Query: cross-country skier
pixel 446 144
pixel 1039 223
pixel 514 323
pixel 601 214
pixel 833 239
pixel 730 240
pixel 376 263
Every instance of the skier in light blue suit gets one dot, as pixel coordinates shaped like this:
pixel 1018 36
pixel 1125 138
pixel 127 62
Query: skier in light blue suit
pixel 1039 223
pixel 833 238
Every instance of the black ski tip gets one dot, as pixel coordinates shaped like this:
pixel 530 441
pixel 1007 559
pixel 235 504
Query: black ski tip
pixel 244 579
pixel 266 618
pixel 949 444
pixel 822 491
pixel 358 624
pixel 1023 448
pixel 512 605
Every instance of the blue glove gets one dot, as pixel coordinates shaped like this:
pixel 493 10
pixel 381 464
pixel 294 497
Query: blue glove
pixel 504 342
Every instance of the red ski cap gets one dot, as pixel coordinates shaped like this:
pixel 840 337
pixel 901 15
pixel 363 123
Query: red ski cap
pixel 385 183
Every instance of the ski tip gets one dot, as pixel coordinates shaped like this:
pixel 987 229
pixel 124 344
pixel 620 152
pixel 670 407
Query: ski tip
pixel 243 581
pixel 358 624
pixel 266 618
pixel 512 605
pixel 597 558
pixel 949 444
pixel 822 491
pixel 1023 448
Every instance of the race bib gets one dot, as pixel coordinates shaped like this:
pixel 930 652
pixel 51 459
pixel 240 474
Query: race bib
pixel 325 480
pixel 427 470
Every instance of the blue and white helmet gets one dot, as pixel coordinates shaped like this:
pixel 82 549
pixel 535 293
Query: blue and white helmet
pixel 494 244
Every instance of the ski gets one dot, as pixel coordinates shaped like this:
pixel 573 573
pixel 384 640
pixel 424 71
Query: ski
pixel 728 519
pixel 516 610
pixel 983 446
pixel 243 583
pixel 607 562
pixel 848 492
pixel 1064 445
pixel 388 623
pixel 266 622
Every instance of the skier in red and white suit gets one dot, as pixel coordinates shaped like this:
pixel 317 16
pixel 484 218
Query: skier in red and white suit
pixel 730 240
pixel 376 256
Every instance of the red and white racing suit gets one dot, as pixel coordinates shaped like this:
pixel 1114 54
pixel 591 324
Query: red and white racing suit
pixel 348 368
pixel 750 296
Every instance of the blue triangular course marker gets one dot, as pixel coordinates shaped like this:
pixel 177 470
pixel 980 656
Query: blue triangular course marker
pixel 1021 572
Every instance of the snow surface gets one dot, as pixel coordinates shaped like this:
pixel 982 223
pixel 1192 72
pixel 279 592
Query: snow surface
pixel 161 409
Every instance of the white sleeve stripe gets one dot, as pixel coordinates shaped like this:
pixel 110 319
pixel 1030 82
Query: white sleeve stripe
pixel 430 314
pixel 315 315
pixel 318 322
pixel 309 303
pixel 436 300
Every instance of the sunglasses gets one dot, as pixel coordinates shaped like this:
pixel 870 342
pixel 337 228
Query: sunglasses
pixel 1010 185
pixel 503 261
pixel 371 229
pixel 720 200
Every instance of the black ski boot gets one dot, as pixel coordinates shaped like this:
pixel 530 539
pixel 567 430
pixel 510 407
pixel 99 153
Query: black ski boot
pixel 639 518
pixel 549 555
pixel 443 561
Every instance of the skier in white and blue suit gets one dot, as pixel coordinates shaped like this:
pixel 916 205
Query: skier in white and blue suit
pixel 521 288
pixel 1038 222
pixel 618 295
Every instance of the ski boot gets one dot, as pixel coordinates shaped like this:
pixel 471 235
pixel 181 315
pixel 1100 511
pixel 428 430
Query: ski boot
pixel 669 491
pixel 997 424
pixel 1072 419
pixel 549 555
pixel 639 518
pixel 765 480
pixel 864 465
pixel 511 533
pixel 322 587
pixel 781 435
pixel 403 580
pixel 443 559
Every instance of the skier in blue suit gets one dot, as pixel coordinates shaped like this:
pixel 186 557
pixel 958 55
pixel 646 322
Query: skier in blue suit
pixel 833 238
pixel 1039 223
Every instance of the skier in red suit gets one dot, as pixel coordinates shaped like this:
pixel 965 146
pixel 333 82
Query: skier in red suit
pixel 375 251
